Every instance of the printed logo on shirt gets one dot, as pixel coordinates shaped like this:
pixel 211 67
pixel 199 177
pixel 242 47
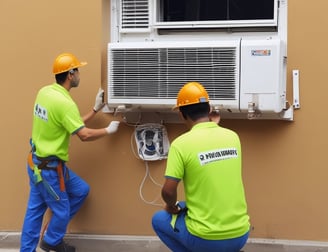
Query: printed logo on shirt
pixel 217 155
pixel 41 112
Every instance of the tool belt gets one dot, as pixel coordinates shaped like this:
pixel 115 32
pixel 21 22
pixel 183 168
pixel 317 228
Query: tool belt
pixel 44 166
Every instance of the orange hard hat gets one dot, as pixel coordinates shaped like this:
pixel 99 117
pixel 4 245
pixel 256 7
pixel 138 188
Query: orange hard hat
pixel 65 62
pixel 191 93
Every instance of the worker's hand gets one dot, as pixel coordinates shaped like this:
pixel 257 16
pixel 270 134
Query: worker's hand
pixel 172 209
pixel 99 103
pixel 112 127
pixel 180 206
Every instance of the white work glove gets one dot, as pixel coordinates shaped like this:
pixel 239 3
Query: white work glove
pixel 112 127
pixel 99 103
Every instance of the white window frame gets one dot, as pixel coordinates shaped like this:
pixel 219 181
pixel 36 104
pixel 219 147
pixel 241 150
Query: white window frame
pixel 214 24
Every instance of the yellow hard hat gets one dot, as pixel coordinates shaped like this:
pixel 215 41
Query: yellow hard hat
pixel 65 62
pixel 191 93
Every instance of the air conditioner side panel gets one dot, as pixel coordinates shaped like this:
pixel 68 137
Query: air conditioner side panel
pixel 263 75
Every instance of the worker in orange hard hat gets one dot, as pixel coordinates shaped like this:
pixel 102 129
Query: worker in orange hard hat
pixel 193 93
pixel 207 159
pixel 65 62
pixel 52 184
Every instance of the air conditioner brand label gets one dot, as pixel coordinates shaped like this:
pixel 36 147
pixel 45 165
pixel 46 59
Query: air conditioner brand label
pixel 265 52
pixel 217 155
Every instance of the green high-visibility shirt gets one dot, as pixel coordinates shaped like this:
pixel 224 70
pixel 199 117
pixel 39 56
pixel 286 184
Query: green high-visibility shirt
pixel 56 117
pixel 208 160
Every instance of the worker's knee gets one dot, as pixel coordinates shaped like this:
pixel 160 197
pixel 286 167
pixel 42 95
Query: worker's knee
pixel 160 219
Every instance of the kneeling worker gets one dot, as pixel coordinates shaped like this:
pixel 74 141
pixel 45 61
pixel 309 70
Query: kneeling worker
pixel 208 160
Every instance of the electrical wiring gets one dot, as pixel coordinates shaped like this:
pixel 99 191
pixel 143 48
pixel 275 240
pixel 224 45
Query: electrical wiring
pixel 152 141
pixel 147 174
pixel 132 141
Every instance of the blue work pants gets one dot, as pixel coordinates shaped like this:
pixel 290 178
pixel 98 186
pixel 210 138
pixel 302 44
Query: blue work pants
pixel 178 239
pixel 63 209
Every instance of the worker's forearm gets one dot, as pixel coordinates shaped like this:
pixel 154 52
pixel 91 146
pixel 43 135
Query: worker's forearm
pixel 87 134
pixel 169 198
pixel 88 116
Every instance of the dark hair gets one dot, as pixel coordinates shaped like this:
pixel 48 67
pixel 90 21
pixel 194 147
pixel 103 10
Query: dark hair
pixel 195 111
pixel 61 77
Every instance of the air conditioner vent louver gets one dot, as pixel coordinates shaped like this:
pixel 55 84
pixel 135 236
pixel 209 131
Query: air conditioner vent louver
pixel 160 72
pixel 135 14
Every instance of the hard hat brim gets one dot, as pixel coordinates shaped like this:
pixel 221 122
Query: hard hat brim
pixel 83 64
pixel 78 66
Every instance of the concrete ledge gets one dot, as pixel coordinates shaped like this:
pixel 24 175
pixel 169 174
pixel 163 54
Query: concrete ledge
pixel 9 241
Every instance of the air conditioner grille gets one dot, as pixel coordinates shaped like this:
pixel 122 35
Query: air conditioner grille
pixel 135 14
pixel 160 72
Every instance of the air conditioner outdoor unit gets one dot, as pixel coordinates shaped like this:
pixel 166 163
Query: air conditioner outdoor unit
pixel 244 77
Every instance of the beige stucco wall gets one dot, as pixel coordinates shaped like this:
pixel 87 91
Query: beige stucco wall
pixel 285 169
